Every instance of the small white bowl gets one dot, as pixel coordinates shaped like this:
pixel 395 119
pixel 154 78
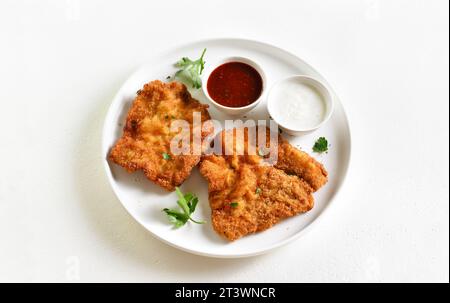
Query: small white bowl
pixel 310 81
pixel 233 110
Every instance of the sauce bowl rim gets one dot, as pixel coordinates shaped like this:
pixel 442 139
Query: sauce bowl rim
pixel 240 59
pixel 322 89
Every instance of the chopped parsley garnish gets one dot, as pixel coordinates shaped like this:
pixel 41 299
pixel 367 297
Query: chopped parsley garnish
pixel 321 145
pixel 258 190
pixel 190 71
pixel 166 156
pixel 234 204
pixel 187 202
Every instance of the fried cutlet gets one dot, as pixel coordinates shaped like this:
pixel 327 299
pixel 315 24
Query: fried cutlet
pixel 296 162
pixel 146 139
pixel 247 195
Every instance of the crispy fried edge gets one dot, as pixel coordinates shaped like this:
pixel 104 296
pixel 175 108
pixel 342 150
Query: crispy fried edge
pixel 183 174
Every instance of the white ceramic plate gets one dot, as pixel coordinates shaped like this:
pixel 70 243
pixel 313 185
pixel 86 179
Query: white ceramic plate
pixel 145 200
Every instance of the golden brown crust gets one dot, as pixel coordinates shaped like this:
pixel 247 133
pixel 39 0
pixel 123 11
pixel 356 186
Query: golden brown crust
pixel 147 135
pixel 247 196
pixel 297 162
pixel 289 159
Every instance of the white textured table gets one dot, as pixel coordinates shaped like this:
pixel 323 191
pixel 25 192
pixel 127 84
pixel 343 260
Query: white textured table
pixel 61 63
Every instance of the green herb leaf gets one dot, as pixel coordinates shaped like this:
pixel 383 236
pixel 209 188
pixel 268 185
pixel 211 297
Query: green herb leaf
pixel 258 190
pixel 182 202
pixel 166 156
pixel 188 197
pixel 321 145
pixel 187 202
pixel 193 204
pixel 176 214
pixel 190 71
pixel 234 204
pixel 176 218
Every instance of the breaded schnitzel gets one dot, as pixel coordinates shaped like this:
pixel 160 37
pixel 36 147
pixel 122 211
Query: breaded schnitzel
pixel 145 143
pixel 296 162
pixel 248 196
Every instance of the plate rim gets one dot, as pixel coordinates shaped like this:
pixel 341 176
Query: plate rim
pixel 105 150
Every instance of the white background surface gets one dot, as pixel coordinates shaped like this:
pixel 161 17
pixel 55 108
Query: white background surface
pixel 61 63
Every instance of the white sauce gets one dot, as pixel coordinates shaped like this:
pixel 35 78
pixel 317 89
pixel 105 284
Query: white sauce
pixel 298 105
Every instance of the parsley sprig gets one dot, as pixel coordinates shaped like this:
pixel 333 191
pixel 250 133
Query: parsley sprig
pixel 166 156
pixel 321 145
pixel 190 70
pixel 187 202
pixel 234 204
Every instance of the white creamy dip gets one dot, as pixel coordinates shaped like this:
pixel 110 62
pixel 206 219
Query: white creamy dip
pixel 297 105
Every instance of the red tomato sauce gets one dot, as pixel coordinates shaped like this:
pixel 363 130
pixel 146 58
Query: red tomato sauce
pixel 235 84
